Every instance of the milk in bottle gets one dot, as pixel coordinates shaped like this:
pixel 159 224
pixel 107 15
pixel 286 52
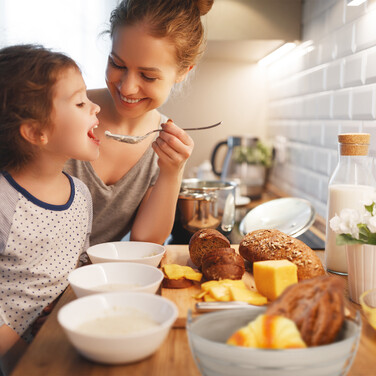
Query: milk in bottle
pixel 352 181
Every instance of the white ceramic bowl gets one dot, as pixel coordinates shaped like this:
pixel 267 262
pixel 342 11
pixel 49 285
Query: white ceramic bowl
pixel 141 252
pixel 115 276
pixel 117 348
pixel 208 333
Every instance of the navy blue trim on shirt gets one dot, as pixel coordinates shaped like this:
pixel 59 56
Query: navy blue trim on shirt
pixel 40 203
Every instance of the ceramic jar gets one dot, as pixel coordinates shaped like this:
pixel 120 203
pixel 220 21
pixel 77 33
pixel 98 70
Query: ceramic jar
pixel 361 262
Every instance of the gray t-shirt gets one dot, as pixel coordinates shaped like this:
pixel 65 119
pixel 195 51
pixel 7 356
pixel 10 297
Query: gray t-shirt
pixel 40 244
pixel 115 206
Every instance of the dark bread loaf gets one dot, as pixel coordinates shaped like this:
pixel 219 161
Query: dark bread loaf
pixel 222 263
pixel 261 245
pixel 316 306
pixel 203 241
pixel 180 283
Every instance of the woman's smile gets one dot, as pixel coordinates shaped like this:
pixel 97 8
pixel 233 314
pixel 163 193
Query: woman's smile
pixel 130 100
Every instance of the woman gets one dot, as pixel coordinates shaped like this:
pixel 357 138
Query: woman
pixel 155 43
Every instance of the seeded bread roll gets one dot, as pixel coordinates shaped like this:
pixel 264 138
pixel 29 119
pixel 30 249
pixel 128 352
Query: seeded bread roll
pixel 261 245
pixel 203 241
pixel 222 263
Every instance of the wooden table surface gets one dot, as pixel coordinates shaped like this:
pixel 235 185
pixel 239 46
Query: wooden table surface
pixel 51 354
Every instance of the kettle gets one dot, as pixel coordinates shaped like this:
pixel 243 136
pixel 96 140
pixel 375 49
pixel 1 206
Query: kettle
pixel 237 168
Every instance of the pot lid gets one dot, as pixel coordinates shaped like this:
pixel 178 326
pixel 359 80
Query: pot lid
pixel 198 185
pixel 291 215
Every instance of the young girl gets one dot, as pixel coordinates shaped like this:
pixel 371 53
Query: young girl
pixel 45 215
pixel 155 43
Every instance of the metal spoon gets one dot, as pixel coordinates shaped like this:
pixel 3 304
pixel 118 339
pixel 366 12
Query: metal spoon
pixel 136 139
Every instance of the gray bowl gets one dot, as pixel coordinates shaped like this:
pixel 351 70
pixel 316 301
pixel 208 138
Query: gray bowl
pixel 207 335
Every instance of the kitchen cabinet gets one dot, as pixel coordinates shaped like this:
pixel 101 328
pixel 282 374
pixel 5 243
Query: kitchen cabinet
pixel 248 30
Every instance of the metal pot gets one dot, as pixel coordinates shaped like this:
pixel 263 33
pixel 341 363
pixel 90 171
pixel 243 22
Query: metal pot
pixel 207 204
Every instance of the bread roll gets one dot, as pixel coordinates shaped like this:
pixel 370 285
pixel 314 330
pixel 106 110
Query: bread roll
pixel 203 241
pixel 316 306
pixel 261 245
pixel 222 263
pixel 180 283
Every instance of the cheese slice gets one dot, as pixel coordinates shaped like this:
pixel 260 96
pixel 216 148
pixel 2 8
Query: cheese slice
pixel 175 271
pixel 273 276
pixel 248 296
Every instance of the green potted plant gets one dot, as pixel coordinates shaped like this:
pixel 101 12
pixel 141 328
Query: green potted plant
pixel 253 165
pixel 261 154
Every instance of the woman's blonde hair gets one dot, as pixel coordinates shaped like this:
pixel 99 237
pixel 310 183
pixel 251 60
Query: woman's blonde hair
pixel 179 21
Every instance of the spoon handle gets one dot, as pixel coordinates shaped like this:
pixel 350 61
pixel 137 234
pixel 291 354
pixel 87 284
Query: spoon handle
pixel 196 129
pixel 186 129
pixel 190 129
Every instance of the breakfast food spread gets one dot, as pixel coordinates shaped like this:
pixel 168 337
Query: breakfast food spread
pixel 203 241
pixel 268 332
pixel 316 306
pixel 273 276
pixel 179 276
pixel 222 263
pixel 261 245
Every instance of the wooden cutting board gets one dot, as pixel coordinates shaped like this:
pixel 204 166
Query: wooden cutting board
pixel 184 298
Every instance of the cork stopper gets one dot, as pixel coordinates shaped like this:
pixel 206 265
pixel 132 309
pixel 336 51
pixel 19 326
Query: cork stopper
pixel 354 143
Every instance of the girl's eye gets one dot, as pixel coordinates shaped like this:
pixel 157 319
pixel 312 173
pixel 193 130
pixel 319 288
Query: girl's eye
pixel 147 78
pixel 82 104
pixel 114 65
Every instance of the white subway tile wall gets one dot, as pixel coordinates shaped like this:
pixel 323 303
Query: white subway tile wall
pixel 328 90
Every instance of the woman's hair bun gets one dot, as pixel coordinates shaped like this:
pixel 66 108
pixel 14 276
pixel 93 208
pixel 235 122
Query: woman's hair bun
pixel 204 6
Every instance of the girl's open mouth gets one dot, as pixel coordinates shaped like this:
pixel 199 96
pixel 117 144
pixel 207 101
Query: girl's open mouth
pixel 91 135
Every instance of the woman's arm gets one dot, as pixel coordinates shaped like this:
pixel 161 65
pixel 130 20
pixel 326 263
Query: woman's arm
pixel 155 217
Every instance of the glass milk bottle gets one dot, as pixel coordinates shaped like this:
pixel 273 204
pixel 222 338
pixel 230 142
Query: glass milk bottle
pixel 352 181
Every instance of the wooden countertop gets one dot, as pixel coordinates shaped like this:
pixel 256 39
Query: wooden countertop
pixel 51 353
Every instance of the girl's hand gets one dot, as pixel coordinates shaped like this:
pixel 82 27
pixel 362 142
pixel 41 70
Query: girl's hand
pixel 173 147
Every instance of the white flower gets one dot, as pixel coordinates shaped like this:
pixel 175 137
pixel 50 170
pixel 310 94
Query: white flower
pixel 349 220
pixel 334 223
pixel 371 224
pixel 346 222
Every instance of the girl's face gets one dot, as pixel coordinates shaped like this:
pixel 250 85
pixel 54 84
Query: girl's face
pixel 141 71
pixel 73 119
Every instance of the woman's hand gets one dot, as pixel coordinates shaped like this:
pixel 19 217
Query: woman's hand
pixel 173 147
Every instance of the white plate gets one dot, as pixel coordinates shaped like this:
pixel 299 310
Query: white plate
pixel 291 215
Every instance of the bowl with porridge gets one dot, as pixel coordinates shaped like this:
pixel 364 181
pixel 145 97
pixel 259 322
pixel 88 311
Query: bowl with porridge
pixel 116 276
pixel 117 327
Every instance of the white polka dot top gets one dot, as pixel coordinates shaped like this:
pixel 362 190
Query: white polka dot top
pixel 40 244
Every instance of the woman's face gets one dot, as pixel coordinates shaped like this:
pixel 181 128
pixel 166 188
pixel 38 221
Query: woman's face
pixel 141 71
